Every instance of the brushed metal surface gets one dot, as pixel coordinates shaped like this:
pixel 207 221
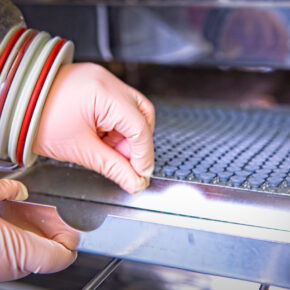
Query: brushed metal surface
pixel 217 248
pixel 187 32
pixel 207 229
pixel 166 196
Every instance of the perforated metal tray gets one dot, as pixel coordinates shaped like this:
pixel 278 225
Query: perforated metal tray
pixel 218 228
pixel 247 148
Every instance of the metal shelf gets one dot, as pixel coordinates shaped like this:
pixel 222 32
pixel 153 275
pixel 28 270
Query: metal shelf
pixel 206 229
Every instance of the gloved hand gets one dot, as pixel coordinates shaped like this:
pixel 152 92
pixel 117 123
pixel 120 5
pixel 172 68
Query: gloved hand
pixel 95 120
pixel 31 241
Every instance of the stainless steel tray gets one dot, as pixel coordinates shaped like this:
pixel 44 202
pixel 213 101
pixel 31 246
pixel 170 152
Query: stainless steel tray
pixel 209 229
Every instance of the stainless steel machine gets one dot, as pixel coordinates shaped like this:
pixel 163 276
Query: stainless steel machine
pixel 219 200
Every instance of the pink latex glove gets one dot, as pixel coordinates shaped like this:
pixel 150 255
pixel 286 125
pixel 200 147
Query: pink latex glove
pixel 95 120
pixel 31 242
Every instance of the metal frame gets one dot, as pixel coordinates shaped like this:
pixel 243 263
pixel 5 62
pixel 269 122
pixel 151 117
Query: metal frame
pixel 208 229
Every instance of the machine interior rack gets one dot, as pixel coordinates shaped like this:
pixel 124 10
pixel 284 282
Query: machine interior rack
pixel 218 202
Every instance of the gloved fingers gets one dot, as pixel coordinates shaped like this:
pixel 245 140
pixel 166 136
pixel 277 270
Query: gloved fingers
pixel 134 127
pixel 112 138
pixel 145 107
pixel 12 190
pixel 100 157
pixel 23 252
pixel 98 102
pixel 41 220
pixel 124 148
pixel 115 140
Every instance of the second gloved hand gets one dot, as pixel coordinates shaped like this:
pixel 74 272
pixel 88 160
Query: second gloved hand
pixel 95 120
pixel 31 241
